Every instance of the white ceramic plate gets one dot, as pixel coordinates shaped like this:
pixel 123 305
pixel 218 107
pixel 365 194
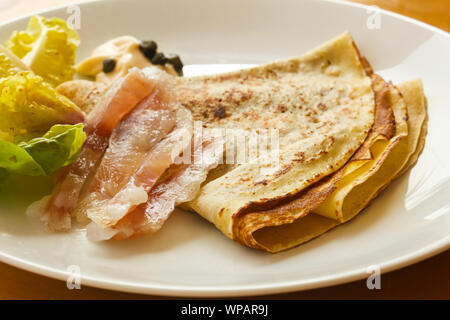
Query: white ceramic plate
pixel 189 257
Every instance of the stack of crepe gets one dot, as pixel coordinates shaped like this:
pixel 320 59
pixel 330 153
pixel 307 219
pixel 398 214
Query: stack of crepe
pixel 344 135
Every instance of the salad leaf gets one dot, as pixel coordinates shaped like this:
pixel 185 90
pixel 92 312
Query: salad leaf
pixel 3 174
pixel 9 63
pixel 48 47
pixel 42 156
pixel 15 159
pixel 40 129
pixel 59 147
pixel 29 107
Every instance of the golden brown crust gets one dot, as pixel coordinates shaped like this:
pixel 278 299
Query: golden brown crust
pixel 247 223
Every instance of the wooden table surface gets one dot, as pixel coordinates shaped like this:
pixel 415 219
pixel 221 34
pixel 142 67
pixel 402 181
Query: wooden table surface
pixel 429 279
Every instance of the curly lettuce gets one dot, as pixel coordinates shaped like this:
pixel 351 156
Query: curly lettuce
pixel 9 63
pixel 48 47
pixel 44 155
pixel 40 129
pixel 29 107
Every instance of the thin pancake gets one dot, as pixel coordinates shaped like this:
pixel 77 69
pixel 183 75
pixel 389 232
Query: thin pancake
pixel 85 94
pixel 322 104
pixel 248 222
pixel 309 225
pixel 414 97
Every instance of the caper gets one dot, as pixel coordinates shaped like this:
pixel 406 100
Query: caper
pixel 109 65
pixel 175 61
pixel 159 59
pixel 148 48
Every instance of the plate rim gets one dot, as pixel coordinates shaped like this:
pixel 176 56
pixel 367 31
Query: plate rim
pixel 238 290
pixel 153 288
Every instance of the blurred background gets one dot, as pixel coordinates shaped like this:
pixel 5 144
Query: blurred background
pixel 434 12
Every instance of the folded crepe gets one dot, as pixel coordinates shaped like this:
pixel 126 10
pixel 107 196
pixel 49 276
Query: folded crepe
pixel 343 195
pixel 344 134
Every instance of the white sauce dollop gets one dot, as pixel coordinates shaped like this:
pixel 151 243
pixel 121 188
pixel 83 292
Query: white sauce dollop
pixel 125 50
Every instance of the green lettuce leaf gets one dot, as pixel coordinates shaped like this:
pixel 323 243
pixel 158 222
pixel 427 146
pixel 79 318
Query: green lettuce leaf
pixel 48 47
pixel 3 174
pixel 44 155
